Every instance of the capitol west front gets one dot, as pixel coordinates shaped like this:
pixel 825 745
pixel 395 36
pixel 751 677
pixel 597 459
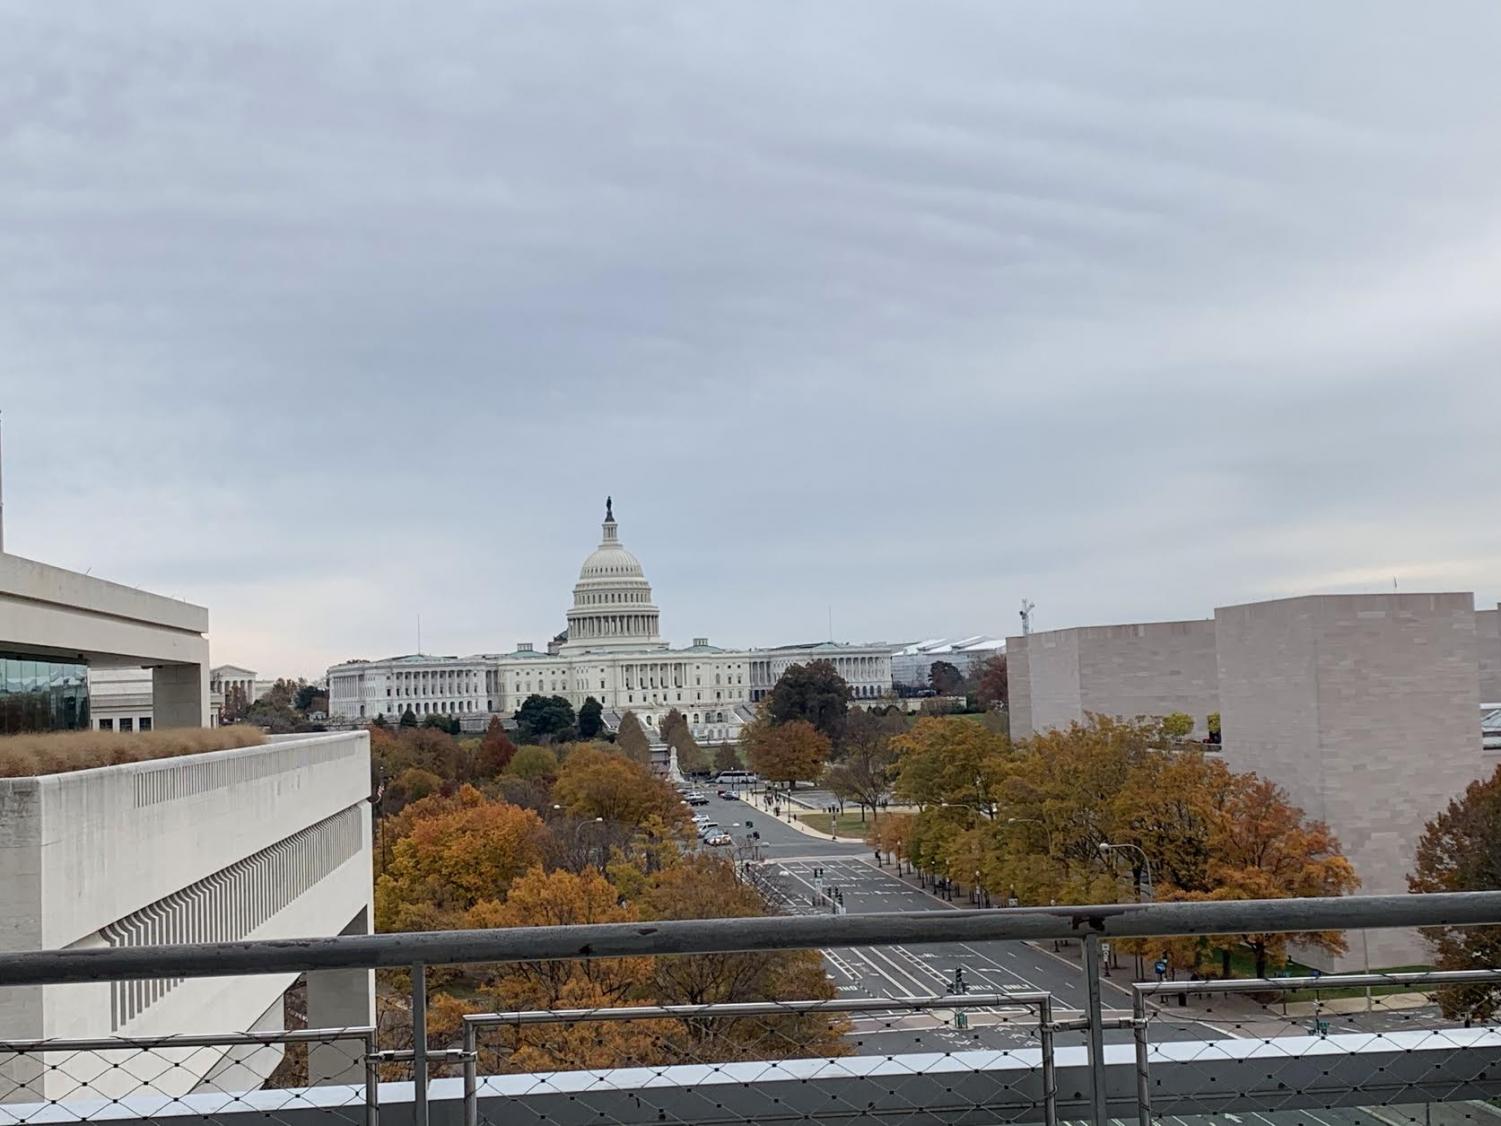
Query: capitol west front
pixel 612 650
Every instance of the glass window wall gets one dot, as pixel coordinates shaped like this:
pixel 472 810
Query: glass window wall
pixel 38 694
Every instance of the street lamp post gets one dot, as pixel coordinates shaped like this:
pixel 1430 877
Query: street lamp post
pixel 1106 849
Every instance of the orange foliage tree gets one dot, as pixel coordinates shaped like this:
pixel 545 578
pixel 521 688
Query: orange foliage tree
pixel 454 853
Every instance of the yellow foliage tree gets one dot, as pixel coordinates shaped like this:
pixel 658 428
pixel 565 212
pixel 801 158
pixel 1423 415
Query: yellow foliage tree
pixel 453 854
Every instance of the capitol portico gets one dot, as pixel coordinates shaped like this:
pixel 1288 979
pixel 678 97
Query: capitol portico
pixel 611 650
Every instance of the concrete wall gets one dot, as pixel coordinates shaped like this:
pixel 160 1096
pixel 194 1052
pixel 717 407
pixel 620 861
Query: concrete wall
pixel 1019 686
pixel 1151 669
pixel 49 611
pixel 1365 709
pixel 1488 637
pixel 260 842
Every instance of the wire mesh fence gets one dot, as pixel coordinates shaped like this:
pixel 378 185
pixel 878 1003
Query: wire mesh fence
pixel 1385 1047
pixel 750 1047
pixel 330 1072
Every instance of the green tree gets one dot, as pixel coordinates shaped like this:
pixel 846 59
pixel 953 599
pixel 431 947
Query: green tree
pixel 945 678
pixel 1177 726
pixel 542 716
pixel 726 758
pixel 632 740
pixel 534 763
pixel 591 718
pixel 1460 850
pixel 814 693
pixel 306 694
pixel 409 718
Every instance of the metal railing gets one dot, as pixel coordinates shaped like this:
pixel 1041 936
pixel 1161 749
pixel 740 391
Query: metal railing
pixel 1093 1073
pixel 957 1012
pixel 1312 1060
pixel 99 1074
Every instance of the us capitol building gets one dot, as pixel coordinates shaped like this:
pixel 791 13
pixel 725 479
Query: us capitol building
pixel 612 650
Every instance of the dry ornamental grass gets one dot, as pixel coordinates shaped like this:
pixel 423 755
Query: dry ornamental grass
pixel 58 752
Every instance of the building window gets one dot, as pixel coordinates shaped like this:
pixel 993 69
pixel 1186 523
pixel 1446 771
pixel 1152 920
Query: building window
pixel 106 725
pixel 126 723
pixel 145 722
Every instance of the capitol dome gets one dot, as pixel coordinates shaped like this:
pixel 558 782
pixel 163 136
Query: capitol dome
pixel 612 606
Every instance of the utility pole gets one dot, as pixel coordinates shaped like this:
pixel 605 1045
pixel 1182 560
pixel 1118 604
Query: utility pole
pixel 1027 607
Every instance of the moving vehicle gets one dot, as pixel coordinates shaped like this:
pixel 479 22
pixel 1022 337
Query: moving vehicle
pixel 736 778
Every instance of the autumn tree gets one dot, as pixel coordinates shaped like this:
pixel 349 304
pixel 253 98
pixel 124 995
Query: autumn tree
pixel 591 718
pixel 990 683
pixel 945 678
pixel 495 750
pixel 1177 726
pixel 1460 850
pixel 863 770
pixel 542 899
pixel 787 752
pixel 603 784
pixel 632 740
pixel 451 855
pixel 704 887
pixel 1262 847
pixel 814 693
pixel 951 761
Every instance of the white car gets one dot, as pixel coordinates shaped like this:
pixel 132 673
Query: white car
pixel 707 830
pixel 717 840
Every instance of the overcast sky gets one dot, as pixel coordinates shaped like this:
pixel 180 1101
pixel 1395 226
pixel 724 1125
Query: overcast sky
pixel 328 315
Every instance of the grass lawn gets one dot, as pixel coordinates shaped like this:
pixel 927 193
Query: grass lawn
pixel 849 823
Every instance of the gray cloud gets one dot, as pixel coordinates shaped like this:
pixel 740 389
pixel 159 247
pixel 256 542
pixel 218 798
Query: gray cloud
pixel 332 318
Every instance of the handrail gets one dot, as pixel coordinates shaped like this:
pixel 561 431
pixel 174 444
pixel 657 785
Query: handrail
pixel 720 936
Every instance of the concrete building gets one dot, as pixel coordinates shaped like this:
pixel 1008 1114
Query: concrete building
pixel 1059 677
pixel 1488 639
pixel 57 625
pixel 1364 709
pixel 611 650
pixel 258 842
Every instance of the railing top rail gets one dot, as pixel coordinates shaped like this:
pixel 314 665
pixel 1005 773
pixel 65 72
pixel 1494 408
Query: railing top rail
pixel 720 936
pixel 760 1008
pixel 205 1040
pixel 1322 981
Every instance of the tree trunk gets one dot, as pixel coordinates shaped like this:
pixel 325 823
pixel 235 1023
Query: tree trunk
pixel 1225 963
pixel 1260 951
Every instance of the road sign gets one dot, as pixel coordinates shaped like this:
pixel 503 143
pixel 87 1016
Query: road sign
pixel 1160 967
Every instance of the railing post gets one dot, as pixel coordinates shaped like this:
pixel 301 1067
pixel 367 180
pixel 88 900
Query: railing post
pixel 1095 1016
pixel 1143 1066
pixel 419 1044
pixel 471 1075
pixel 372 1082
pixel 1049 1071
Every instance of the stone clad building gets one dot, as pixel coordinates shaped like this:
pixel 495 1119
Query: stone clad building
pixel 1060 676
pixel 612 650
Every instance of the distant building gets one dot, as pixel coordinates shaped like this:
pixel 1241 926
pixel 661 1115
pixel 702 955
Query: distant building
pixel 912 665
pixel 613 651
